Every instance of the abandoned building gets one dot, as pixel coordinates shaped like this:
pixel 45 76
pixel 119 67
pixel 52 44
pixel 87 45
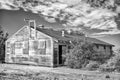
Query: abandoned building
pixel 43 46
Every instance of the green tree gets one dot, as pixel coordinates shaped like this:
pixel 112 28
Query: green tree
pixel 3 38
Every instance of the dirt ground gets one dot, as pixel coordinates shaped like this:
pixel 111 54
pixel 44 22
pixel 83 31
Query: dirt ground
pixel 29 72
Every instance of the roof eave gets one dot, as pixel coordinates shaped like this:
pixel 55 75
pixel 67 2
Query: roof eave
pixel 105 44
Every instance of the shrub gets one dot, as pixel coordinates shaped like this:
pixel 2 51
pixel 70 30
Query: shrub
pixel 93 65
pixel 106 68
pixel 116 60
pixel 79 55
pixel 75 60
pixel 117 63
pixel 109 66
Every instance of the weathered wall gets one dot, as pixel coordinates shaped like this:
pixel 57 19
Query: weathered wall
pixel 22 48
pixel 103 48
pixel 56 54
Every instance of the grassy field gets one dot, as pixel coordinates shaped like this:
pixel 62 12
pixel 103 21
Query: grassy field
pixel 29 72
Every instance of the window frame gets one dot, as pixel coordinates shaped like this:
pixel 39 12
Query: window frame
pixel 42 48
pixel 44 44
pixel 37 52
pixel 18 44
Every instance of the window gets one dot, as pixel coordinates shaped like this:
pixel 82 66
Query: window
pixel 38 47
pixel 25 51
pixel 25 47
pixel 21 48
pixel 12 48
pixel 18 45
pixel 32 23
pixel 110 47
pixel 8 44
pixel 33 45
pixel 104 47
pixel 42 44
pixel 8 47
pixel 42 47
pixel 25 44
pixel 41 51
pixel 18 51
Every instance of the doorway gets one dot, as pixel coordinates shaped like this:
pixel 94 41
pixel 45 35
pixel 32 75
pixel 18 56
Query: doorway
pixel 60 54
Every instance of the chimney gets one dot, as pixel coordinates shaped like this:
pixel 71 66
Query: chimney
pixel 26 21
pixel 63 33
pixel 41 26
pixel 28 26
pixel 32 23
pixel 69 31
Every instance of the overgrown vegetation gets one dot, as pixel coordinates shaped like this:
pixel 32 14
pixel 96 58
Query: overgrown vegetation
pixel 3 38
pixel 82 54
pixel 113 64
pixel 93 65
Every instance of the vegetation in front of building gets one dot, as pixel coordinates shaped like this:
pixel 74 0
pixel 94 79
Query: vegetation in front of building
pixel 83 56
pixel 82 53
pixel 113 64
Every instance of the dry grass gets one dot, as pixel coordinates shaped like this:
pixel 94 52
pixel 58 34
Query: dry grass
pixel 26 72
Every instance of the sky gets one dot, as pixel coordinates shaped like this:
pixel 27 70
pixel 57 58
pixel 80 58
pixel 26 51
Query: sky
pixel 93 17
pixel 12 21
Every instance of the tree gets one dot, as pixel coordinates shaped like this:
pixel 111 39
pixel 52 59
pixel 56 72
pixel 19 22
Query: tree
pixel 81 53
pixel 3 38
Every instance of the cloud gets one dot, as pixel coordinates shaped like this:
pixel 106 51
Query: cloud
pixel 70 2
pixel 70 12
pixel 4 6
pixel 104 33
pixel 50 20
pixel 8 5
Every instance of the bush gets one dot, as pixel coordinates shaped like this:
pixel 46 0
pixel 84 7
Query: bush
pixel 116 60
pixel 109 66
pixel 117 64
pixel 79 55
pixel 92 65
pixel 106 68
pixel 75 61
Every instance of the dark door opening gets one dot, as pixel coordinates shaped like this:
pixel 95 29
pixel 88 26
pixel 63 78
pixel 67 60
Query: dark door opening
pixel 60 54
